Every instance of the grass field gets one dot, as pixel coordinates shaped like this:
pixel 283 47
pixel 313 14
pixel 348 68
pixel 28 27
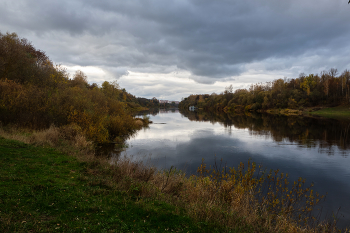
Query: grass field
pixel 340 112
pixel 42 190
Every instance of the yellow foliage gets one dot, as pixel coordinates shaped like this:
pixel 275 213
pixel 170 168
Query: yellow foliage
pixel 308 83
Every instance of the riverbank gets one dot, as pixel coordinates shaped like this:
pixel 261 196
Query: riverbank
pixel 212 201
pixel 44 190
pixel 340 112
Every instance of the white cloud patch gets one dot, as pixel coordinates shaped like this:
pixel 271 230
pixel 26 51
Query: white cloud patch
pixel 94 74
pixel 171 86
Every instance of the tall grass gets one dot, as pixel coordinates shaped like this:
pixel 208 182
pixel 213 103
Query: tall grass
pixel 233 197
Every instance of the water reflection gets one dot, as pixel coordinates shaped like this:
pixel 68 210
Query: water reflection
pixel 155 111
pixel 306 131
pixel 315 149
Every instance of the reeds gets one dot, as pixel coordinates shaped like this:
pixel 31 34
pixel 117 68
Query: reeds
pixel 234 197
pixel 260 197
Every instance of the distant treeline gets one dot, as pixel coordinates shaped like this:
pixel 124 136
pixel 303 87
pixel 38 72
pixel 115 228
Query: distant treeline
pixel 152 103
pixel 326 89
pixel 35 93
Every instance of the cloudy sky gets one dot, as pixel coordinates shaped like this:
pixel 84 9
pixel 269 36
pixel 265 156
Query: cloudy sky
pixel 173 48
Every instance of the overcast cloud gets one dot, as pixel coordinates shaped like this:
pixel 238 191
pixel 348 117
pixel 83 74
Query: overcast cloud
pixel 170 49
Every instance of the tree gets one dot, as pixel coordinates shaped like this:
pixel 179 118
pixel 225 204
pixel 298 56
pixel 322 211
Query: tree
pixel 333 72
pixel 79 79
pixel 325 79
pixel 229 89
pixel 308 83
pixel 20 61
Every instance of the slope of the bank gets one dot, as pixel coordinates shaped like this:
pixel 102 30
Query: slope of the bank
pixel 340 112
pixel 44 190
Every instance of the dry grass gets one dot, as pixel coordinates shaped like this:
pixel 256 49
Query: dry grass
pixel 231 197
pixel 67 139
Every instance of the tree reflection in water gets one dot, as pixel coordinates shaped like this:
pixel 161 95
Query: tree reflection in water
pixel 308 132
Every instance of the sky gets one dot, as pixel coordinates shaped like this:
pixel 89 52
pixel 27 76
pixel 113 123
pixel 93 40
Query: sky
pixel 170 49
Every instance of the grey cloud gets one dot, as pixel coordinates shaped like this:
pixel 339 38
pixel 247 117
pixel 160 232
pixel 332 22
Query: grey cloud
pixel 211 39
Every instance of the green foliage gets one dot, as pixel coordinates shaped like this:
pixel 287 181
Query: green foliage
pixel 337 112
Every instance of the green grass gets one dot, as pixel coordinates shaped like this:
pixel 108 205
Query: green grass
pixel 340 112
pixel 42 190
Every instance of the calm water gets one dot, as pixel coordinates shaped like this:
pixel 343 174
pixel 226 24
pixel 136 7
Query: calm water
pixel 315 149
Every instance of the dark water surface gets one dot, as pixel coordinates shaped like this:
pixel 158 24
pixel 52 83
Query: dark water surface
pixel 315 149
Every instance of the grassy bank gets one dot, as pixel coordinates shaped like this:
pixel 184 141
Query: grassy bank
pixel 44 190
pixel 340 112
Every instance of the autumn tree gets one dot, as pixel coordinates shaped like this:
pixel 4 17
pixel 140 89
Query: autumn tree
pixel 308 83
pixel 21 62
pixel 79 79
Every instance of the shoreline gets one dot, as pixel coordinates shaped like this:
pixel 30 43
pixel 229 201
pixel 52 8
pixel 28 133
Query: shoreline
pixel 137 185
pixel 339 112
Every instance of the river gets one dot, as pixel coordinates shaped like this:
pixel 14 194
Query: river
pixel 312 148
